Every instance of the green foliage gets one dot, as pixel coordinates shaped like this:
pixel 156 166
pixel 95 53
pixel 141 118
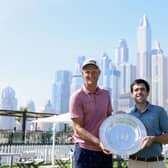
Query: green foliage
pixel 115 165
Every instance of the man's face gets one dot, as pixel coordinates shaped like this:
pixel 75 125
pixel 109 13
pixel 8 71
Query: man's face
pixel 90 75
pixel 140 93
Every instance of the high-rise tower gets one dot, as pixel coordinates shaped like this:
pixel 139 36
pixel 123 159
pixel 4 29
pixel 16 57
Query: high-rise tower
pixel 77 79
pixel 127 75
pixel 8 102
pixel 144 50
pixel 105 64
pixel 121 52
pixel 159 75
pixel 79 63
pixel 61 91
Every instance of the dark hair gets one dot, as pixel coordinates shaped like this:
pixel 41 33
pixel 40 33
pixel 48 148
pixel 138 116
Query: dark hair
pixel 139 81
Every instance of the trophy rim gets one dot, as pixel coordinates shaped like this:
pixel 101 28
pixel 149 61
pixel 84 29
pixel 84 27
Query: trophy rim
pixel 111 129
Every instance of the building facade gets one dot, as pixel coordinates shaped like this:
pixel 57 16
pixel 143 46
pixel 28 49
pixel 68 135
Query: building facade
pixel 143 66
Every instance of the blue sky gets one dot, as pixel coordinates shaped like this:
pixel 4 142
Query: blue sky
pixel 38 37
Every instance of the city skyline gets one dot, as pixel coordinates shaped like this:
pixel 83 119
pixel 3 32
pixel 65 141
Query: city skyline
pixel 40 37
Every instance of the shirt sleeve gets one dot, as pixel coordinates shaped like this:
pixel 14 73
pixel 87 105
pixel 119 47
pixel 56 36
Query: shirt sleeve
pixel 75 107
pixel 164 121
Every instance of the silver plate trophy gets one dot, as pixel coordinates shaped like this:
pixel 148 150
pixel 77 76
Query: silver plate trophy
pixel 122 133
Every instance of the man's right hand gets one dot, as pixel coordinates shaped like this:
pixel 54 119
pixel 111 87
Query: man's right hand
pixel 106 151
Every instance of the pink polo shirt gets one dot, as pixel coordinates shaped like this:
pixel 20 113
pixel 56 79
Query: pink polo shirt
pixel 93 108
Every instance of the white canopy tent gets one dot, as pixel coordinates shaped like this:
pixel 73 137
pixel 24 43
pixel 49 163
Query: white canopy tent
pixel 62 118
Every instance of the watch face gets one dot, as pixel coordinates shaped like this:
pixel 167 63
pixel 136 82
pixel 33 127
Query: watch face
pixel 122 134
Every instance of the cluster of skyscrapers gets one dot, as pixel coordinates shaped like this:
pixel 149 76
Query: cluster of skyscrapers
pixel 117 73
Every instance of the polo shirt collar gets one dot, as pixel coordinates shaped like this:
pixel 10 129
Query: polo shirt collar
pixel 98 90
pixel 148 107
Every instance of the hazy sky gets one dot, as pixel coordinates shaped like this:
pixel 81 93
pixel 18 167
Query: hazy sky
pixel 38 37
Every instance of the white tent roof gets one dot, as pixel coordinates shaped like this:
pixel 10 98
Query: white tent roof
pixel 61 118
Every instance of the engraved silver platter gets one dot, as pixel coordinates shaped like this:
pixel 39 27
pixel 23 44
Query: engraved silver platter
pixel 122 133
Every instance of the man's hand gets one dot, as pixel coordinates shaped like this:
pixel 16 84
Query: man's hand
pixel 147 141
pixel 106 151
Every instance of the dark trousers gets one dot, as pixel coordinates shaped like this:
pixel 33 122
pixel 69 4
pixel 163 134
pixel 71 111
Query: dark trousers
pixel 84 158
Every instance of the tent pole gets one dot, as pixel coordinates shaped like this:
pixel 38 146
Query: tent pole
pixel 53 146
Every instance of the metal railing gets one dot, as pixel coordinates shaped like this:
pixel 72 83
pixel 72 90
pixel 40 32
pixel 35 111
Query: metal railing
pixel 33 137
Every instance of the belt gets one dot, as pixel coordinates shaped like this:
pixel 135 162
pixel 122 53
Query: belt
pixel 151 159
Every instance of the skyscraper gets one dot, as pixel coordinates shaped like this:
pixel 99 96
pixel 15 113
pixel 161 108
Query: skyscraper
pixel 47 109
pixel 127 71
pixel 159 75
pixel 77 80
pixel 127 75
pixel 61 91
pixel 121 52
pixel 8 99
pixel 31 106
pixel 78 65
pixel 8 102
pixel 76 84
pixel 125 102
pixel 115 88
pixel 144 50
pixel 105 66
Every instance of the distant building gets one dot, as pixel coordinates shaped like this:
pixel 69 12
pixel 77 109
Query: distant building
pixel 115 88
pixel 159 76
pixel 105 67
pixel 61 91
pixel 127 71
pixel 77 79
pixel 8 102
pixel 31 106
pixel 121 52
pixel 125 102
pixel 127 76
pixel 143 66
pixel 8 99
pixel 48 108
pixel 78 65
pixel 76 84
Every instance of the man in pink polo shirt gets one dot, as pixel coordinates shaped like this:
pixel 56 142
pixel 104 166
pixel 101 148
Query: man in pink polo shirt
pixel 89 107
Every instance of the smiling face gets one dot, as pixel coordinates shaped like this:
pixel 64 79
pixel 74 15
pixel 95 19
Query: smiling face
pixel 90 75
pixel 140 93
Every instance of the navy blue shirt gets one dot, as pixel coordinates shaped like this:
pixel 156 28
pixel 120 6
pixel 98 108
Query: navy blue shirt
pixel 155 119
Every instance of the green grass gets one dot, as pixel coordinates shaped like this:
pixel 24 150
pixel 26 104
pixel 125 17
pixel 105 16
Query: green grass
pixel 167 163
pixel 115 165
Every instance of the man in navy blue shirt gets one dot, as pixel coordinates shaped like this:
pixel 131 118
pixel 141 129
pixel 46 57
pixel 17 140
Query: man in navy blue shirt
pixel 155 119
